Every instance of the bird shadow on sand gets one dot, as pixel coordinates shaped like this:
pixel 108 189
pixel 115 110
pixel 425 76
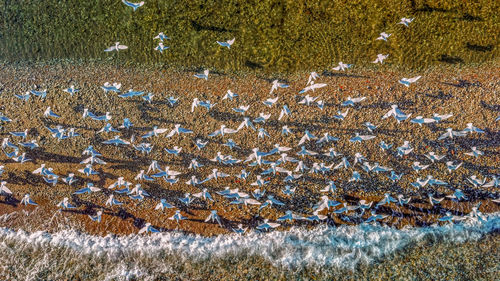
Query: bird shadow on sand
pixel 54 123
pixel 492 107
pixel 463 84
pixel 9 200
pixel 438 95
pixel 44 156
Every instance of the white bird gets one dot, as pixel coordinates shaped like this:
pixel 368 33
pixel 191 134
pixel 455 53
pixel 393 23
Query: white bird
pixel 380 58
pixel 178 130
pixel 107 87
pixel 134 6
pixel 270 101
pixel 240 230
pixel 112 201
pixel 475 152
pixel 406 21
pixel 215 175
pixel 223 130
pixel 342 66
pixel 394 112
pixel 451 134
pixel 383 36
pixel 71 90
pixel 200 144
pixel 434 200
pixel 203 195
pixel 227 43
pixel 307 100
pixel 214 217
pixel 39 170
pixel 119 183
pixel 421 120
pixel 177 216
pixel 453 167
pixel 476 181
pixel 441 117
pixel 495 182
pixel 313 76
pixel 418 167
pixel 65 204
pixel 161 47
pixel 312 87
pixel 408 81
pixel 360 138
pixel 4 189
pixel 147 227
pixel 262 118
pixel 163 204
pixel 471 129
pixel 70 179
pixel 195 104
pixel 27 200
pixel 161 37
pixel 203 75
pixel 117 47
pixel 277 85
pixel 307 137
pixel 230 95
pixel 266 225
pixel 241 109
pixel 433 157
pixel 341 115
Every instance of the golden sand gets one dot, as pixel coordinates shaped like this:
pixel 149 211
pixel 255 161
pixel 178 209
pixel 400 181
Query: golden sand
pixel 471 94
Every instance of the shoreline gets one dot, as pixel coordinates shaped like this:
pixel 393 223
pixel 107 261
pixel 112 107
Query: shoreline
pixel 451 251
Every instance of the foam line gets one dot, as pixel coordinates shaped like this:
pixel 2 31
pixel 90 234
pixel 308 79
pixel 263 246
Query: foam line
pixel 344 246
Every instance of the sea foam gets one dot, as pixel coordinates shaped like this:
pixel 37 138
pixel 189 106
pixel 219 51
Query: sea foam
pixel 343 246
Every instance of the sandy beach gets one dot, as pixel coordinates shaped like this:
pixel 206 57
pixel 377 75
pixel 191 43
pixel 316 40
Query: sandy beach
pixel 470 94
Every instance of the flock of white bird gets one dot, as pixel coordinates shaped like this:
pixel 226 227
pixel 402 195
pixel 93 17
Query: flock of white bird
pixel 272 163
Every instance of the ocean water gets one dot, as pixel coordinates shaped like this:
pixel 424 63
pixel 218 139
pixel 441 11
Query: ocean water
pixel 270 36
pixel 71 254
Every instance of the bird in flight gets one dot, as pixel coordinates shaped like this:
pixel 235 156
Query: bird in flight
pixel 203 75
pixel 408 81
pixel 117 47
pixel 161 37
pixel 134 6
pixel 406 21
pixel 342 66
pixel 227 43
pixel 384 36
pixel 380 58
pixel 160 47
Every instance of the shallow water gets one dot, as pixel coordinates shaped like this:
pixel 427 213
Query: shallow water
pixel 323 252
pixel 271 36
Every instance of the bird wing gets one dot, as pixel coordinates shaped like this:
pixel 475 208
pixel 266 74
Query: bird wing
pixel 388 114
pixel 185 131
pixel 229 131
pixel 414 79
pixel 171 133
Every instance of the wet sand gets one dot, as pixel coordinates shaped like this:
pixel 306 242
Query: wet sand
pixel 471 94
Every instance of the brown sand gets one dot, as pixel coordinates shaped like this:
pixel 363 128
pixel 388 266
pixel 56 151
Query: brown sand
pixel 471 94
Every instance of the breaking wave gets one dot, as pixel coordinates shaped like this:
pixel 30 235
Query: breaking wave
pixel 323 246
